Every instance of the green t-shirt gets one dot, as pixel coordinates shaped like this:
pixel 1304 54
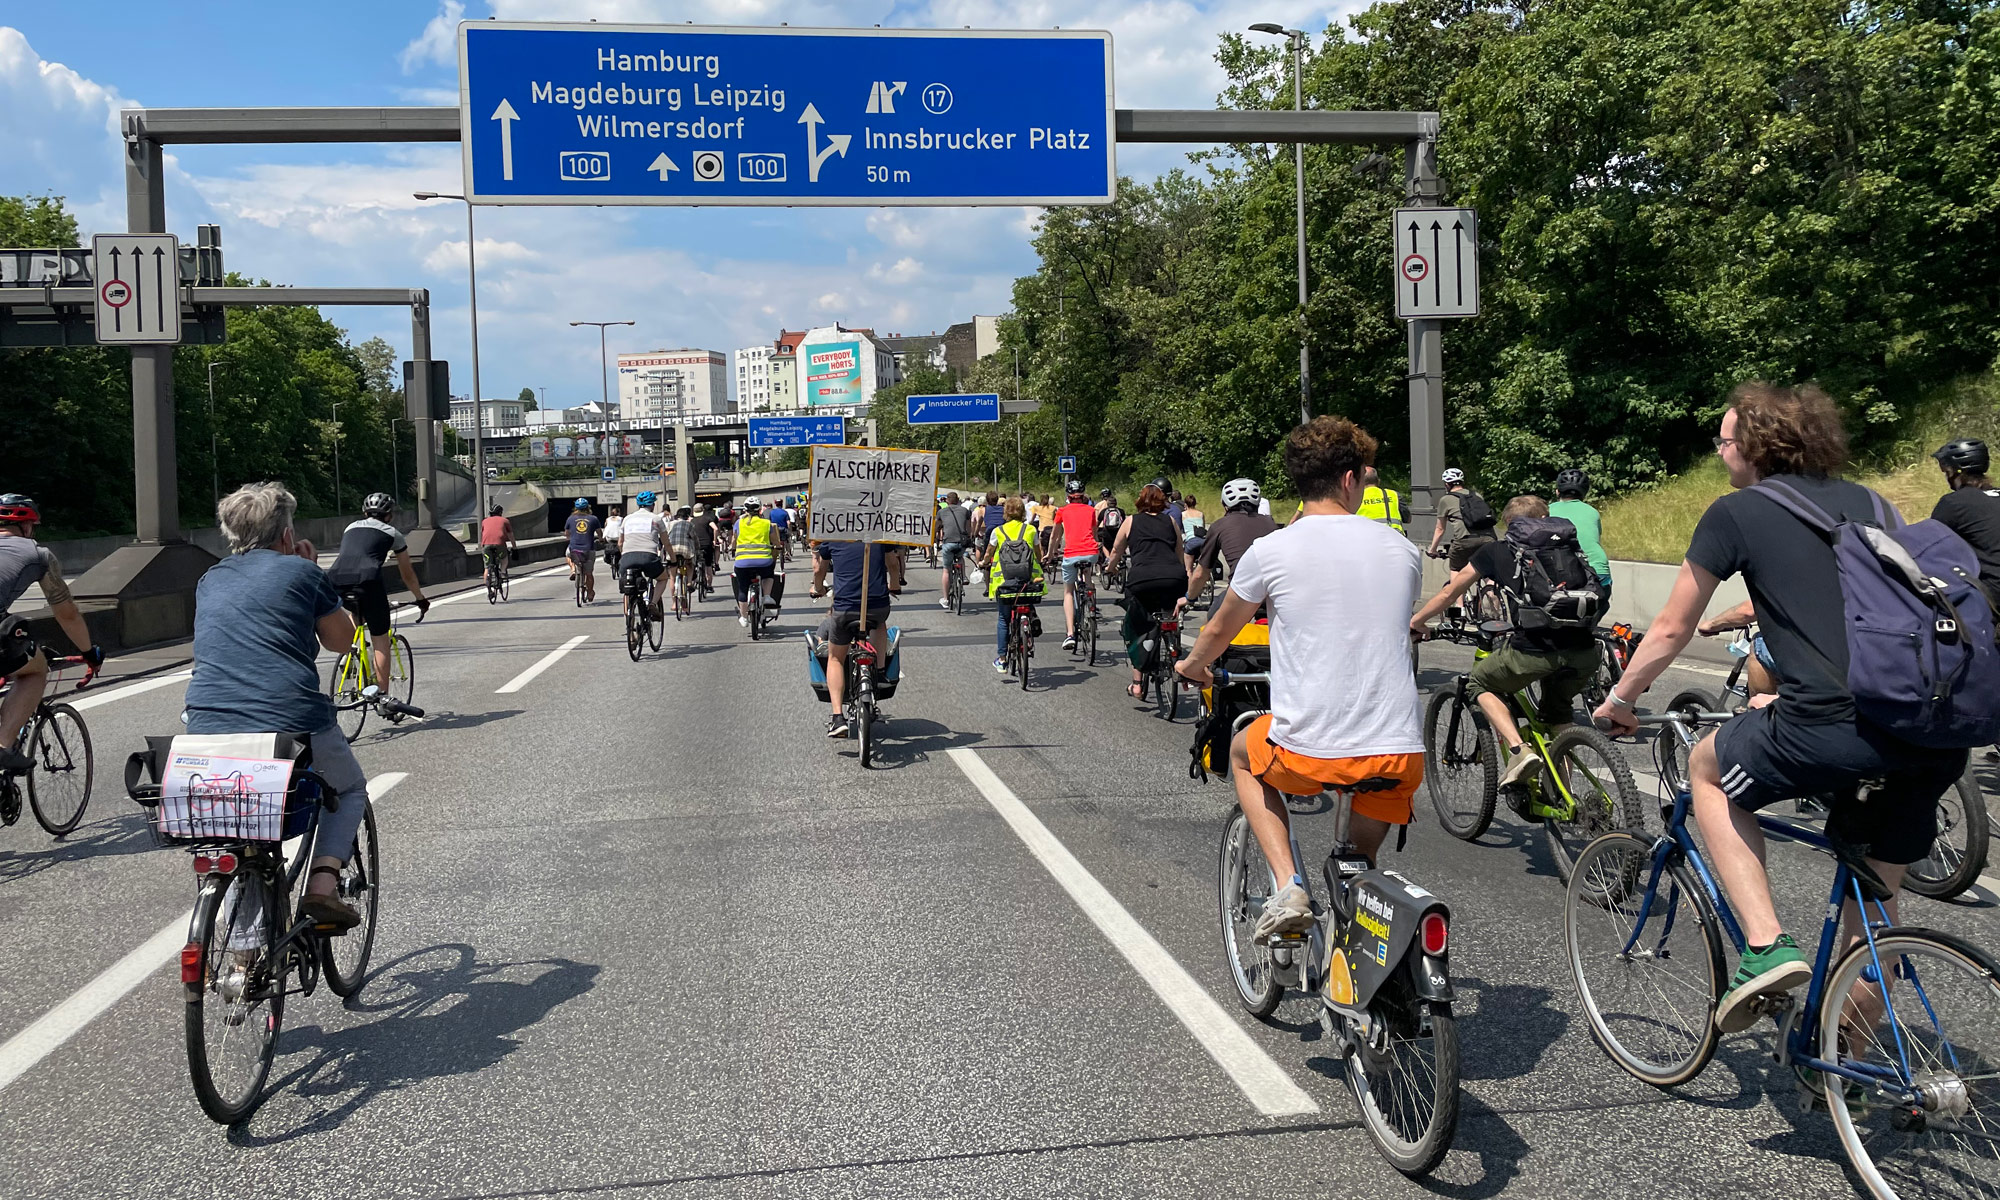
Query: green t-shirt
pixel 1589 531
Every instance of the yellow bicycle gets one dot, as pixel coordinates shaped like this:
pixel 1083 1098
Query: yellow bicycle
pixel 355 688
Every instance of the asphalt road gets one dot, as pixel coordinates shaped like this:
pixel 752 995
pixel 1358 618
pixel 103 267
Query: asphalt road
pixel 645 932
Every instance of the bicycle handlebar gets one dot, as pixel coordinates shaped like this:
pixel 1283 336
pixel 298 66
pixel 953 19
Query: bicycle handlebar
pixel 1225 678
pixel 1683 719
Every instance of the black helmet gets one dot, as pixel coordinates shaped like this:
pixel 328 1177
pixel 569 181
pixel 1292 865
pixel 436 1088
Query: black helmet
pixel 1572 482
pixel 1965 454
pixel 378 504
pixel 1163 483
pixel 495 511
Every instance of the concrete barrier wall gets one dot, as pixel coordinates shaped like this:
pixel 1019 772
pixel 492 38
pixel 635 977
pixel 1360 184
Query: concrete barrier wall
pixel 1639 590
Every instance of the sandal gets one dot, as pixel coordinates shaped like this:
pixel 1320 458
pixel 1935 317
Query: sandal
pixel 329 909
pixel 1136 690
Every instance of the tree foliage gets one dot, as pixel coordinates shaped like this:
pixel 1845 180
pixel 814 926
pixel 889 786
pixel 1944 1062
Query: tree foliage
pixel 1674 196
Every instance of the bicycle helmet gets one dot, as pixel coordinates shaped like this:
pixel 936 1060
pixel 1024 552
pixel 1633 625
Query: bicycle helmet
pixel 1965 454
pixel 646 499
pixel 1241 491
pixel 1076 489
pixel 378 504
pixel 496 511
pixel 17 509
pixel 751 506
pixel 1572 482
pixel 581 504
pixel 1164 484
pixel 1452 475
pixel 1104 493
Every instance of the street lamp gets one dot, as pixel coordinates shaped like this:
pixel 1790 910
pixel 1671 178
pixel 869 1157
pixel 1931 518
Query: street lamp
pixel 1297 37
pixel 478 408
pixel 214 463
pixel 603 375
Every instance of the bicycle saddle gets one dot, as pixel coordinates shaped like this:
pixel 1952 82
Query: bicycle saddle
pixel 1374 783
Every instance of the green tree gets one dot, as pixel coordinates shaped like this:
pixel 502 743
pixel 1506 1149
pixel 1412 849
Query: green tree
pixel 527 399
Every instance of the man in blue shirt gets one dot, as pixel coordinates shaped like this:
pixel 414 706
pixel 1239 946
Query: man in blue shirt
pixel 584 529
pixel 844 562
pixel 261 616
pixel 781 524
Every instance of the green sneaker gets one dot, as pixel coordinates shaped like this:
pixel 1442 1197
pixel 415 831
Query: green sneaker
pixel 1760 973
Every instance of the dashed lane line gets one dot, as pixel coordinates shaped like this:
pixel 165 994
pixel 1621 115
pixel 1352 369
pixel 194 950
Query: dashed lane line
pixel 87 1003
pixel 478 591
pixel 547 660
pixel 1262 1081
pixel 93 699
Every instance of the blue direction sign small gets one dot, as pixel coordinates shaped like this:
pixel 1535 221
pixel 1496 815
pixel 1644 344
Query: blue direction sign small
pixel 1066 464
pixel 954 409
pixel 608 474
pixel 798 431
pixel 668 114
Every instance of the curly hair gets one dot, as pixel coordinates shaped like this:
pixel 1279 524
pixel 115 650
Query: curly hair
pixel 1013 509
pixel 1788 431
pixel 1322 452
pixel 1151 500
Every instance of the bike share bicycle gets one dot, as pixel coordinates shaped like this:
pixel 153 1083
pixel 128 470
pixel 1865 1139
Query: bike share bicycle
pixel 1897 1035
pixel 1375 959
pixel 1582 787
pixel 58 743
pixel 248 946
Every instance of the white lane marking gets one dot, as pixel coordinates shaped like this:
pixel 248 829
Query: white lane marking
pixel 1263 1082
pixel 548 660
pixel 1718 672
pixel 475 592
pixel 92 700
pixel 90 1001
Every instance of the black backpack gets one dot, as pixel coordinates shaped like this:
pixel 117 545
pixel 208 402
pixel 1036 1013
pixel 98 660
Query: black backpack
pixel 1475 512
pixel 1016 560
pixel 1554 587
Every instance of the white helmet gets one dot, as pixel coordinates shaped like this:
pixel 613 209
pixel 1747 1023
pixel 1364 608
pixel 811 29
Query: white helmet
pixel 1240 491
pixel 1452 475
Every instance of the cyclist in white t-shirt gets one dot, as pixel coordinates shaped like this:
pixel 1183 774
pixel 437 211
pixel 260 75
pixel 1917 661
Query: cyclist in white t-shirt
pixel 1339 589
pixel 639 540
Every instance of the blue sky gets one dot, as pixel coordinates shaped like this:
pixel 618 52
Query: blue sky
pixel 343 215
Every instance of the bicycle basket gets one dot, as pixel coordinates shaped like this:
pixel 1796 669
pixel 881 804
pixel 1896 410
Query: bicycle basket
pixel 224 788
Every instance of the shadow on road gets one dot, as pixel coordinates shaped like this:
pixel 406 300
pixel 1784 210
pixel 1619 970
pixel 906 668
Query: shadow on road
pixel 915 740
pixel 457 720
pixel 105 837
pixel 441 1011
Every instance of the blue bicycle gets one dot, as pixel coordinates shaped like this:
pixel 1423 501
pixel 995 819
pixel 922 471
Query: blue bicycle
pixel 1910 1070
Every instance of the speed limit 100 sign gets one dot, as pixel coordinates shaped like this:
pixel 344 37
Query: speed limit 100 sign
pixel 1436 262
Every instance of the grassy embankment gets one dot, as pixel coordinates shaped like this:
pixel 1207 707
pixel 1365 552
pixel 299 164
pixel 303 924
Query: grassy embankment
pixel 1655 525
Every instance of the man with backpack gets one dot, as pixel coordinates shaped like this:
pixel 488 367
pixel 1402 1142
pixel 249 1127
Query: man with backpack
pixel 1572 485
pixel 1465 522
pixel 954 524
pixel 1555 599
pixel 1843 592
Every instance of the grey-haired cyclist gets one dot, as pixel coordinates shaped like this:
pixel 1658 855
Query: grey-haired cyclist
pixel 365 548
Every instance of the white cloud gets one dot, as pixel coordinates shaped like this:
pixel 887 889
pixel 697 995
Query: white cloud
pixel 438 43
pixel 903 270
pixel 832 302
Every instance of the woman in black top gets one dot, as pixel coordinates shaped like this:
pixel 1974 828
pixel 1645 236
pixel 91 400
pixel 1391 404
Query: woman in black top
pixel 1155 577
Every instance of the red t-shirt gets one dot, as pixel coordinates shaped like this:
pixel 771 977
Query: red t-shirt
pixel 1079 529
pixel 494 531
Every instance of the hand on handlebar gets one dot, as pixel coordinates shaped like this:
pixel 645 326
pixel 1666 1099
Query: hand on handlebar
pixel 1187 670
pixel 1613 719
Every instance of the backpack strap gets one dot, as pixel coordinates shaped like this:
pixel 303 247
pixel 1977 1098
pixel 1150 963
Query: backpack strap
pixel 1789 498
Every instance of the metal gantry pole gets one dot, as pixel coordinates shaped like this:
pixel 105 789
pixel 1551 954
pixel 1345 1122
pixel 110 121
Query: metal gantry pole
pixel 478 397
pixel 1426 373
pixel 214 461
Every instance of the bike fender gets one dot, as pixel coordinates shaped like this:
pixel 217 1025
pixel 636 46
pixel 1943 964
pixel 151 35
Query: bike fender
pixel 1387 910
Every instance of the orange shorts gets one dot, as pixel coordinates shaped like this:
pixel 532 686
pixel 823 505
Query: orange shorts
pixel 1304 775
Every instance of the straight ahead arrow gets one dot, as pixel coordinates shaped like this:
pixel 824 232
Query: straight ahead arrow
pixel 117 311
pixel 1458 257
pixel 1416 286
pixel 506 115
pixel 1437 285
pixel 836 143
pixel 663 165
pixel 160 289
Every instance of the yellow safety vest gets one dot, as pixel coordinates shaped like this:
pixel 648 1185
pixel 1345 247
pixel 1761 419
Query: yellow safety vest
pixel 1381 504
pixel 753 538
pixel 1013 531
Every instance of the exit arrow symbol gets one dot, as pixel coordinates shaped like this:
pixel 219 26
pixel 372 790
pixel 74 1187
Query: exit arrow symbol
pixel 506 115
pixel 836 143
pixel 663 164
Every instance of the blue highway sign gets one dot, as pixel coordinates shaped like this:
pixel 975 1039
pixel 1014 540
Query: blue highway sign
pixel 671 114
pixel 954 409
pixel 798 431
pixel 1066 464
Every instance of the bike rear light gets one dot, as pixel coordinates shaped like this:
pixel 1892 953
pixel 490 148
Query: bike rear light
pixel 1435 933
pixel 191 963
pixel 223 863
pixel 1170 626
pixel 201 864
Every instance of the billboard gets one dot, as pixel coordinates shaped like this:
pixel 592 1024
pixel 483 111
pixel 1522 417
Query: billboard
pixel 635 445
pixel 540 447
pixel 831 373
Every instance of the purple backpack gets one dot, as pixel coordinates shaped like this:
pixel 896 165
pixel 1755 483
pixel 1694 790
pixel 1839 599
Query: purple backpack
pixel 1922 662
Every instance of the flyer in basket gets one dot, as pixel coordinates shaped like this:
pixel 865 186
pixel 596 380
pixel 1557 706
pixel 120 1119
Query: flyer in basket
pixel 224 786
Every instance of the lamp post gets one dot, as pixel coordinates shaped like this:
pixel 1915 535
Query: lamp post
pixel 214 462
pixel 472 295
pixel 1297 38
pixel 604 376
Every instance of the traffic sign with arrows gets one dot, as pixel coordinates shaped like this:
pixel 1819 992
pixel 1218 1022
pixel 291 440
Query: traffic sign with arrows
pixel 137 277
pixel 1436 262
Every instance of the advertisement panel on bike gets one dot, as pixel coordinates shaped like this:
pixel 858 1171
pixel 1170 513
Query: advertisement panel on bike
pixel 224 786
pixel 872 494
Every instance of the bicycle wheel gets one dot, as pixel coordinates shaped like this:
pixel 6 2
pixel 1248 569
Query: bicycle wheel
pixel 1461 765
pixel 1652 1006
pixel 1086 637
pixel 1956 858
pixel 756 613
pixel 656 630
pixel 59 783
pixel 1668 751
pixel 865 730
pixel 1405 1077
pixel 1589 770
pixel 402 671
pixel 1243 884
pixel 344 685
pixel 1935 1029
pixel 346 957
pixel 492 586
pixel 506 583
pixel 635 629
pixel 235 996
